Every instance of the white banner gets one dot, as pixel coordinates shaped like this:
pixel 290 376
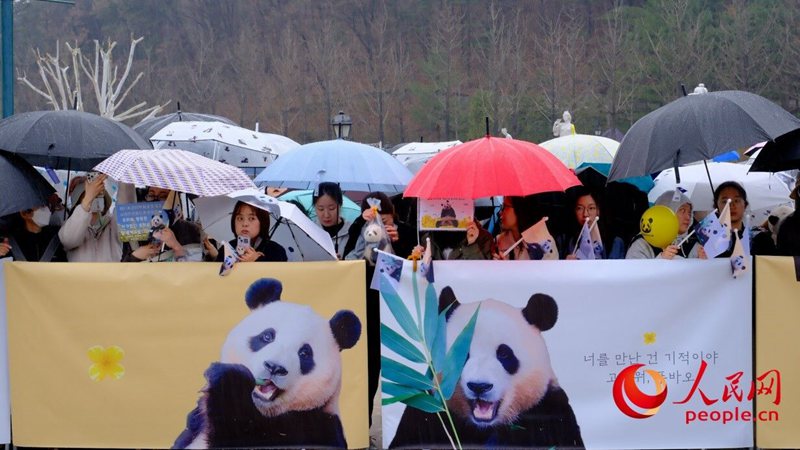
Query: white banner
pixel 5 407
pixel 682 329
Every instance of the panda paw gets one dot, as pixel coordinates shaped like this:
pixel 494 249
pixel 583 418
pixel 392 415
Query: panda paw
pixel 227 377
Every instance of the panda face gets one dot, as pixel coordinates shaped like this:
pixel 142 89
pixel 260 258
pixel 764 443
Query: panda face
pixel 508 368
pixel 373 233
pixel 291 352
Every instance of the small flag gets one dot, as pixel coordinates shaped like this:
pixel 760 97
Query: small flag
pixel 388 266
pixel 597 240
pixel 725 220
pixel 711 234
pixel 426 266
pixel 540 242
pixel 229 260
pixel 739 259
pixel 585 250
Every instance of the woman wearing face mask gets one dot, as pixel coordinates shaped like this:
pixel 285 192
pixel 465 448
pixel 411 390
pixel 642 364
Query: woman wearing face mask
pixel 32 238
pixel 90 234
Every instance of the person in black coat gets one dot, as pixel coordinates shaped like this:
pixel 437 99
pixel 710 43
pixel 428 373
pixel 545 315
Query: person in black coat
pixel 253 223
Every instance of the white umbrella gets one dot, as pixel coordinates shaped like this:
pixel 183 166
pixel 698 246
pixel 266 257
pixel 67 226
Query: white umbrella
pixel 576 149
pixel 415 154
pixel 765 191
pixel 222 142
pixel 302 239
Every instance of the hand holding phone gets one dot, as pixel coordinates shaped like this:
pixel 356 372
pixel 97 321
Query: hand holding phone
pixel 242 244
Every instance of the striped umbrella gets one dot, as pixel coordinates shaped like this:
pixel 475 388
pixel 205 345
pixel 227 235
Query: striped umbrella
pixel 174 169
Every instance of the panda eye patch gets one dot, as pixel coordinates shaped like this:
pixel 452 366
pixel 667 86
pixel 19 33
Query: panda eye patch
pixel 261 340
pixel 306 354
pixel 507 358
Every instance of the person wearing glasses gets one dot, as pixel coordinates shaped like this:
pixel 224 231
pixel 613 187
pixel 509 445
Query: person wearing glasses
pixel 586 206
pixel 733 191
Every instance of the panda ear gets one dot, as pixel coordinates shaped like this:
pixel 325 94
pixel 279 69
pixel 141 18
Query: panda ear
pixel 447 298
pixel 541 311
pixel 346 329
pixel 262 292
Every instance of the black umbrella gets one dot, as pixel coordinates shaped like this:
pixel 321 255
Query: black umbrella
pixel 696 128
pixel 781 154
pixel 21 185
pixel 147 128
pixel 66 139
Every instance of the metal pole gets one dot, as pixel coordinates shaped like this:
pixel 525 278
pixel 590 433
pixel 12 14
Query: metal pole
pixel 7 25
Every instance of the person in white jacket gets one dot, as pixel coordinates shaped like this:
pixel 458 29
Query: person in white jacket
pixel 90 233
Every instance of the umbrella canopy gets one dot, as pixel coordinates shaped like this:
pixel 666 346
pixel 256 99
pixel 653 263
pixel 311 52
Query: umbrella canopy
pixel 416 154
pixel 781 154
pixel 596 175
pixel 576 149
pixel 177 170
pixel 491 166
pixel 66 139
pixel 356 167
pixel 349 211
pixel 764 191
pixel 22 186
pixel 225 143
pixel 147 128
pixel 302 239
pixel 698 127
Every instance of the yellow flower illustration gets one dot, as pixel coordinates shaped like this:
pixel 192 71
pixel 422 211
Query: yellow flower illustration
pixel 650 338
pixel 105 362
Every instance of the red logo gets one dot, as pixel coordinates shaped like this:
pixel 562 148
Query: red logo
pixel 625 386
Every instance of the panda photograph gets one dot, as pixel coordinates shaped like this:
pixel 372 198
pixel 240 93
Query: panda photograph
pixel 507 395
pixel 278 379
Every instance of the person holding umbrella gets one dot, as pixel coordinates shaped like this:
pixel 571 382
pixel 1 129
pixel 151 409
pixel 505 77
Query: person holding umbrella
pixel 90 233
pixel 788 242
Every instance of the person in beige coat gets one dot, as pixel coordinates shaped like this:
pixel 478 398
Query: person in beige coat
pixel 90 233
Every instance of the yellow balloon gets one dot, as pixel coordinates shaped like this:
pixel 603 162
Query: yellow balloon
pixel 659 226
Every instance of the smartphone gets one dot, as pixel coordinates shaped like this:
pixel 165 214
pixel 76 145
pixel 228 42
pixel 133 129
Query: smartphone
pixel 90 176
pixel 242 244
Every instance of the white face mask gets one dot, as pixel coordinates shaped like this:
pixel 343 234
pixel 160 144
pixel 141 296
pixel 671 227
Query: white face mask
pixel 41 216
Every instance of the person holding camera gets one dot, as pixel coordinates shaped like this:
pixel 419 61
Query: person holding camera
pixel 90 233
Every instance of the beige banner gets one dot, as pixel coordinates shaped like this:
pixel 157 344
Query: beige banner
pixel 114 355
pixel 777 351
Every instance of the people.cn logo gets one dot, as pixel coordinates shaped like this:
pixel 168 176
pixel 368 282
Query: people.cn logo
pixel 625 387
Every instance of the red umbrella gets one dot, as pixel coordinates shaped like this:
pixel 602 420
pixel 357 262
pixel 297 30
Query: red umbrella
pixel 491 166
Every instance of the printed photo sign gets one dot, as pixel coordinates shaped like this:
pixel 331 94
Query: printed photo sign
pixel 445 214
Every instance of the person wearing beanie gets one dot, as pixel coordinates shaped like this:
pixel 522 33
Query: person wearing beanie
pixel 691 248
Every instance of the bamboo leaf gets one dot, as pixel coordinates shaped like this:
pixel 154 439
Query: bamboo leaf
pixel 398 390
pixel 424 402
pixel 457 357
pixel 398 344
pixel 439 345
pixel 399 310
pixel 406 376
pixel 396 399
pixel 431 314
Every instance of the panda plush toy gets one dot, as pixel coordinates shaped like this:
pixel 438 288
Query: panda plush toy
pixel 278 380
pixel 508 395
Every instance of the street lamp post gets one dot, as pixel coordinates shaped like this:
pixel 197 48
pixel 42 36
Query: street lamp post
pixel 341 123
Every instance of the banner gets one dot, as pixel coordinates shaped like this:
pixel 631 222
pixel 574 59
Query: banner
pixel 5 413
pixel 777 353
pixel 601 354
pixel 121 355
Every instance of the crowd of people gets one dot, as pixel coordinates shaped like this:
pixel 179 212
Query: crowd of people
pixel 88 231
